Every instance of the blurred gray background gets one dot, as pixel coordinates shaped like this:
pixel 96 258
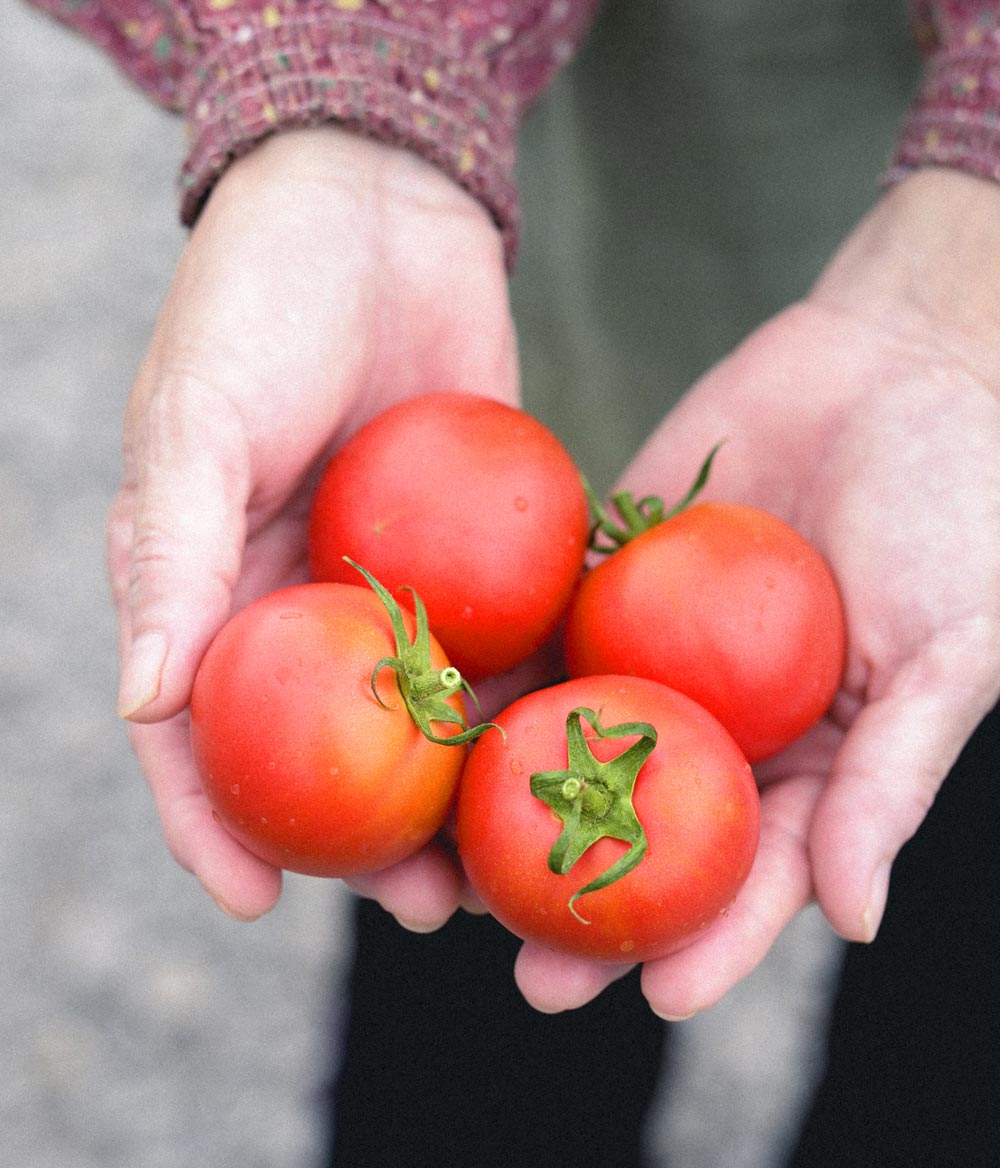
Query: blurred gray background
pixel 139 1027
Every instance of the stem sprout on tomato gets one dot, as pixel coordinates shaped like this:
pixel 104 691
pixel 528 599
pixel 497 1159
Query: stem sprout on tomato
pixel 425 691
pixel 594 799
pixel 638 517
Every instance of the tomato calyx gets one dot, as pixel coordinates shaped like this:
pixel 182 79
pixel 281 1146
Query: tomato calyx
pixel 594 799
pixel 425 691
pixel 607 536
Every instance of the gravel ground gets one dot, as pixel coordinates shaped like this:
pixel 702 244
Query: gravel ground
pixel 138 1026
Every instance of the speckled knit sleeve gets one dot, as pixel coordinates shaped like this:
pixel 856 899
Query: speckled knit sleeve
pixel 447 78
pixel 955 118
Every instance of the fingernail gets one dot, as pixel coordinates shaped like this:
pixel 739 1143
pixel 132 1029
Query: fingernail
pixel 874 909
pixel 243 918
pixel 142 673
pixel 674 1017
pixel 471 904
pixel 417 926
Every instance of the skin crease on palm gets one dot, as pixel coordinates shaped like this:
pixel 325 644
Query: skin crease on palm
pixel 867 415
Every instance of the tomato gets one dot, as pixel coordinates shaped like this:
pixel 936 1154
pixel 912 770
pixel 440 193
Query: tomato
pixel 729 605
pixel 474 504
pixel 300 760
pixel 694 800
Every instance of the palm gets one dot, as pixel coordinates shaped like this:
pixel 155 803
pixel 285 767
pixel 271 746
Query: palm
pixel 885 455
pixel 318 287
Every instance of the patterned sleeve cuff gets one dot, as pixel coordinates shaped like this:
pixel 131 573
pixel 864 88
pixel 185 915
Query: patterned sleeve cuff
pixel 955 120
pixel 394 85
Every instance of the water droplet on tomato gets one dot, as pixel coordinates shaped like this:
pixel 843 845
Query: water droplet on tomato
pixel 521 503
pixel 516 766
pixel 235 788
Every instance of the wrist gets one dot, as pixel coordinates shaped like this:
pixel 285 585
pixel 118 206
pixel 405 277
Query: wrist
pixel 922 266
pixel 333 160
pixel 328 191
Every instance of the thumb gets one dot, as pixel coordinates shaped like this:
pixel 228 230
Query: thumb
pixel 889 769
pixel 175 538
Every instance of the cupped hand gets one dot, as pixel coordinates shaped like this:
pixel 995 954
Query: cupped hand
pixel 327 277
pixel 868 416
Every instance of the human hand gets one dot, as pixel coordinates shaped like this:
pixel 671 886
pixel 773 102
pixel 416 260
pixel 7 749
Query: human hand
pixel 868 416
pixel 328 276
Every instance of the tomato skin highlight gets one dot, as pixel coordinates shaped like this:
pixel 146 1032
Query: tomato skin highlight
pixel 729 605
pixel 695 797
pixel 474 504
pixel 298 759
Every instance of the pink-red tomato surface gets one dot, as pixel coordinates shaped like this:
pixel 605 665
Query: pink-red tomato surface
pixel 299 761
pixel 728 604
pixel 695 797
pixel 472 503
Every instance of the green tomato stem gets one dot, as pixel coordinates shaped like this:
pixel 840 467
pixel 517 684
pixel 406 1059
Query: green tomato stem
pixel 594 799
pixel 637 517
pixel 425 691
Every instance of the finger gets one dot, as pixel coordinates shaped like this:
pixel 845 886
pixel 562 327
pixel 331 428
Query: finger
pixel 469 902
pixel 421 892
pixel 243 886
pixel 553 982
pixel 779 887
pixel 888 771
pixel 175 540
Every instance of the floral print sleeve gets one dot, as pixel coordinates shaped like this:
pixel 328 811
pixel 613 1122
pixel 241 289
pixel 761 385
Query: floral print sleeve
pixel 955 119
pixel 452 78
pixel 447 78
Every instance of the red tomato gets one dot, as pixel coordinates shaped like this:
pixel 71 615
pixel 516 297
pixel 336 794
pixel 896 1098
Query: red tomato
pixel 694 796
pixel 475 505
pixel 729 605
pixel 298 758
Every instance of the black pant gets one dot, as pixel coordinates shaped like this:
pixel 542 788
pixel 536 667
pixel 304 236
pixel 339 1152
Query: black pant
pixel 445 1064
pixel 914 1046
